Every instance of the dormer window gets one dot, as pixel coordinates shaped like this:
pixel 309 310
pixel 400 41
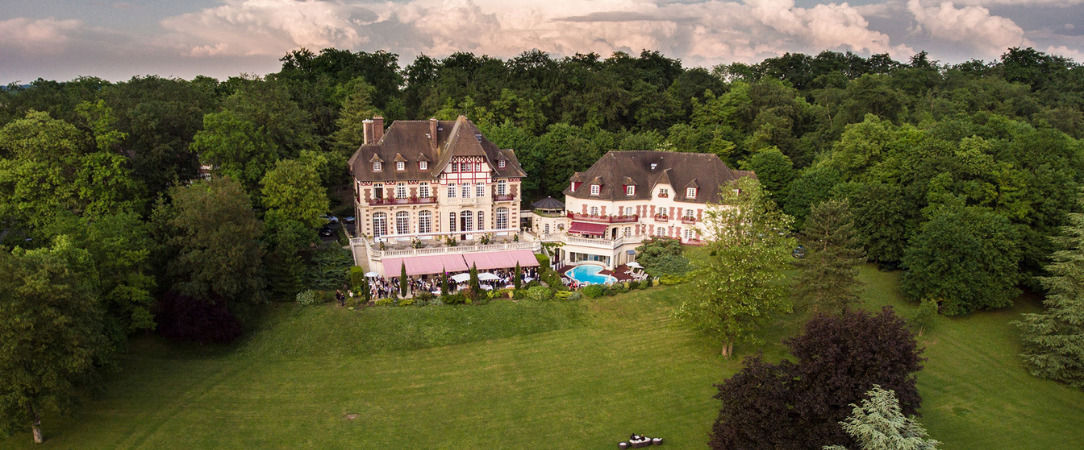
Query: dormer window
pixel 664 192
pixel 572 186
pixel 595 189
pixel 690 192
pixel 630 190
pixel 500 164
pixel 423 165
pixel 378 166
pixel 399 165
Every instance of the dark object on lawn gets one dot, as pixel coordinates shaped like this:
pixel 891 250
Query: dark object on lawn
pixel 638 441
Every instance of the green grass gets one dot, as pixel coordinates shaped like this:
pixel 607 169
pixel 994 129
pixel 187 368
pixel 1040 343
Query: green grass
pixel 512 375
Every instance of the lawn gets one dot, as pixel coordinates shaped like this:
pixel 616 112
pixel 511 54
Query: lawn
pixel 513 375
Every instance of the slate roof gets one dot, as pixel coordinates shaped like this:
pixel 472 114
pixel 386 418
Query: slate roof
pixel 548 203
pixel 704 171
pixel 409 141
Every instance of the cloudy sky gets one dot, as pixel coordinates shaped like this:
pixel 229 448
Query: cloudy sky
pixel 115 40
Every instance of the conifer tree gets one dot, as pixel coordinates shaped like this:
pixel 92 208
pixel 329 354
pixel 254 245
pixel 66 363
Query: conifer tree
pixel 879 424
pixel 516 280
pixel 828 279
pixel 475 286
pixel 443 282
pixel 402 280
pixel 1054 339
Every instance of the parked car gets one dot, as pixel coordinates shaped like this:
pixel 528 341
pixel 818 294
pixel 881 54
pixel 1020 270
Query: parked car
pixel 327 230
pixel 330 218
pixel 348 220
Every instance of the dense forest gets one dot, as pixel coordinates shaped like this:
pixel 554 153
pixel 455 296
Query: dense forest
pixel 960 174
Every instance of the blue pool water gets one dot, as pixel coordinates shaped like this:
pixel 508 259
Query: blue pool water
pixel 589 274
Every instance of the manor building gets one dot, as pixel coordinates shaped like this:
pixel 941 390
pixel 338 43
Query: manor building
pixel 629 196
pixel 433 180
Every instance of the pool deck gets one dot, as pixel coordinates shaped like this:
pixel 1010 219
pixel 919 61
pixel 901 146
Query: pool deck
pixel 618 272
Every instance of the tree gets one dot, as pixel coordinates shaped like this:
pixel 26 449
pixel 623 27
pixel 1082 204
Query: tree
pixel 800 403
pixel 292 191
pixel 516 276
pixel 965 257
pixel 213 236
pixel 402 280
pixel 52 333
pixel 879 424
pixel 356 108
pixel 828 275
pixel 235 147
pixel 443 282
pixel 1054 339
pixel 740 288
pixel 473 284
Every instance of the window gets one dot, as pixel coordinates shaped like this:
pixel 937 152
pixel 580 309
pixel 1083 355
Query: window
pixel 628 210
pixel 660 231
pixel 451 222
pixel 630 190
pixel 572 186
pixel 546 229
pixel 688 233
pixel 594 210
pixel 689 214
pixel 466 190
pixel 664 192
pixel 402 222
pixel 454 167
pixel 502 219
pixel 399 165
pixel 451 190
pixel 627 231
pixel 423 165
pixel 502 187
pixel 467 220
pixel 400 190
pixel 690 192
pixel 425 222
pixel 500 163
pixel 481 221
pixel 380 224
pixel 477 167
pixel 378 190
pixel 378 166
pixel 595 189
pixel 423 190
pixel 480 190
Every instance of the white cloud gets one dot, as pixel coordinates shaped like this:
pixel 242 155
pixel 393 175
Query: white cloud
pixel 970 26
pixel 1072 53
pixel 37 36
pixel 1058 3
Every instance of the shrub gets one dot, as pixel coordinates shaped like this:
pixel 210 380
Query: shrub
pixel 543 263
pixel 424 297
pixel 634 285
pixel 504 293
pixel 670 280
pixel 306 297
pixel 593 291
pixel 539 293
pixel 357 277
pixel 406 302
pixel 619 288
pixel 553 279
pixel 354 302
pixel 575 296
pixel 532 284
pixel 519 294
pixel 329 268
pixel 567 295
pixel 923 317
pixel 650 282
pixel 454 299
pixel 385 302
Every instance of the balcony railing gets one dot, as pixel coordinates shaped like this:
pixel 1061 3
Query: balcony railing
pixel 402 201
pixel 503 197
pixel 661 218
pixel 688 219
pixel 603 219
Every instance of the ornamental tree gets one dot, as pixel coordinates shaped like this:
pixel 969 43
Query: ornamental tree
pixel 828 276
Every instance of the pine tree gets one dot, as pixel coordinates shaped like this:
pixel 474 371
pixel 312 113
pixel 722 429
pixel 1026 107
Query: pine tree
pixel 402 280
pixel 516 280
pixel 828 277
pixel 1054 339
pixel 443 283
pixel 879 424
pixel 475 286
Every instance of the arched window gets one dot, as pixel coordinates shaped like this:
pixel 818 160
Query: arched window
pixel 423 190
pixel 402 222
pixel 502 219
pixel 451 222
pixel 502 187
pixel 481 221
pixel 467 222
pixel 380 224
pixel 425 220
pixel 400 190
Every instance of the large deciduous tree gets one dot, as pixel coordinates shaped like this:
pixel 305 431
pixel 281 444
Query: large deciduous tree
pixel 1054 339
pixel 800 404
pixel 741 285
pixel 964 257
pixel 51 335
pixel 828 277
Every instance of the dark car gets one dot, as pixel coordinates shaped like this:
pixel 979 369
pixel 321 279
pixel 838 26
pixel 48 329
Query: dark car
pixel 327 230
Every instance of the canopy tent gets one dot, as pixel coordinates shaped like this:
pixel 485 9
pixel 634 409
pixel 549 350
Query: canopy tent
pixel 486 276
pixel 424 265
pixel 461 278
pixel 501 260
pixel 597 229
pixel 635 265
pixel 371 274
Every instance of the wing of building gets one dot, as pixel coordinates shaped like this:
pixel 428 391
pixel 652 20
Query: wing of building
pixel 425 183
pixel 627 196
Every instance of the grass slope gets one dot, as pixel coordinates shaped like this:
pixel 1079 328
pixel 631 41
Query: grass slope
pixel 519 374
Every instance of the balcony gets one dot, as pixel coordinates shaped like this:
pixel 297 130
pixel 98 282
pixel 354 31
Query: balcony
pixel 402 201
pixel 688 219
pixel 661 218
pixel 603 219
pixel 503 197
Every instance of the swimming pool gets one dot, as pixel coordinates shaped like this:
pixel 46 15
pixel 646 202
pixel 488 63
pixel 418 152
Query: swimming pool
pixel 589 274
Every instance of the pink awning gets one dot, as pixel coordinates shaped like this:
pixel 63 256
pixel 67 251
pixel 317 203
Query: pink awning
pixel 424 265
pixel 587 228
pixel 501 260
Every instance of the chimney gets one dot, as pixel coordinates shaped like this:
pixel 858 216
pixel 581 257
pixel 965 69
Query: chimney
pixel 433 132
pixel 378 128
pixel 367 126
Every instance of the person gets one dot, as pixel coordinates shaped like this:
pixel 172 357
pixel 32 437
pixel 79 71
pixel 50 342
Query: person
pixel 339 297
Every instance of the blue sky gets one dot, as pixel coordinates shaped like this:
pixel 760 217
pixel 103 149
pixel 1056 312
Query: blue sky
pixel 115 40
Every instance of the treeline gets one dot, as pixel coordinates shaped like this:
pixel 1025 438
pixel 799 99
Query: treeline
pixel 959 174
